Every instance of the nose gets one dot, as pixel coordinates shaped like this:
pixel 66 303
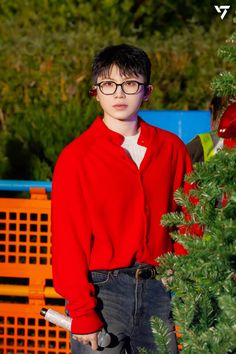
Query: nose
pixel 119 92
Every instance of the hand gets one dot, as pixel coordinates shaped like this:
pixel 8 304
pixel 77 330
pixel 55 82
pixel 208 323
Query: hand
pixel 91 339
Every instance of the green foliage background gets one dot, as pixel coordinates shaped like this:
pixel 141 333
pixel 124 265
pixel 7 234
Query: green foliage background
pixel 46 48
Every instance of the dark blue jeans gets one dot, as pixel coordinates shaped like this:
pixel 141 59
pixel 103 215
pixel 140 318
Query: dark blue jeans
pixel 126 306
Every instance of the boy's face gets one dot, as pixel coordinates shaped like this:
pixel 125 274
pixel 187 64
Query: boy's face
pixel 119 105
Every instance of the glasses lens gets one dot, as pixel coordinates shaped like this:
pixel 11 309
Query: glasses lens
pixel 130 87
pixel 108 87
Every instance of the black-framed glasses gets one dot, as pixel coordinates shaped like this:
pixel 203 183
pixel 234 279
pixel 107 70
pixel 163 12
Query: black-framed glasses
pixel 129 87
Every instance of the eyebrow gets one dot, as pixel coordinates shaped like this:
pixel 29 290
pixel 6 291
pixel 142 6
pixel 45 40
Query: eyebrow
pixel 131 76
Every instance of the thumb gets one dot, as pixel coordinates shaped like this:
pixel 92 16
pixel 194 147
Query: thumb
pixel 94 342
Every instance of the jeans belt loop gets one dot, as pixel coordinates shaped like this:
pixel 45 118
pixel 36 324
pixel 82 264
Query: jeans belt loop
pixel 115 272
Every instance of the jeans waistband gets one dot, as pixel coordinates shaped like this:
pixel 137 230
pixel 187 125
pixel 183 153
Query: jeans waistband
pixel 138 271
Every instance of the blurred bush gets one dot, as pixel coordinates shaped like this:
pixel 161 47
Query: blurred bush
pixel 46 48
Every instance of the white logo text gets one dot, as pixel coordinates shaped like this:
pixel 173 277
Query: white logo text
pixel 222 10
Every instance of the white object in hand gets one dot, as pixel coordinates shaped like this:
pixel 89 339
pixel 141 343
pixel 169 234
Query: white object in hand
pixel 63 321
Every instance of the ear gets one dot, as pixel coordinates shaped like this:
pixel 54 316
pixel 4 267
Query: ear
pixel 148 92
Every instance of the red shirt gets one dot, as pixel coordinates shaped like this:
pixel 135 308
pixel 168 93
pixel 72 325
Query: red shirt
pixel 106 212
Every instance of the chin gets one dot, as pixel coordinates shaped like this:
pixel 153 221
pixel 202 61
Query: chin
pixel 123 117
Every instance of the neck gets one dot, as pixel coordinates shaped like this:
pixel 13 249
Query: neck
pixel 123 127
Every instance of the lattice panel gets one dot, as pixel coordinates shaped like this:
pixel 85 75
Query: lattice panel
pixel 25 275
pixel 25 237
pixel 28 333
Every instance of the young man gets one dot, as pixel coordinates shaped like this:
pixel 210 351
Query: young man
pixel 111 187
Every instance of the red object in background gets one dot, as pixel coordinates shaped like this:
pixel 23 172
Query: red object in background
pixel 230 143
pixel 227 131
pixel 227 126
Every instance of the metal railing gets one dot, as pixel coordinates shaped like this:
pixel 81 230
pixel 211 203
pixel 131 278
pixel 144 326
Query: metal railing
pixel 24 186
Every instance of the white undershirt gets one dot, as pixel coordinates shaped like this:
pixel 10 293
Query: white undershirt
pixel 135 151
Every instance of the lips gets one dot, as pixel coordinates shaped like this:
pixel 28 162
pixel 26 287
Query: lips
pixel 120 106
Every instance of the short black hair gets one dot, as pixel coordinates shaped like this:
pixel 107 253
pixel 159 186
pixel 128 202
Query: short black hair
pixel 129 59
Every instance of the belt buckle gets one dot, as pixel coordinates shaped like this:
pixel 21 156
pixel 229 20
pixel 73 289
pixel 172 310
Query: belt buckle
pixel 139 272
pixel 153 272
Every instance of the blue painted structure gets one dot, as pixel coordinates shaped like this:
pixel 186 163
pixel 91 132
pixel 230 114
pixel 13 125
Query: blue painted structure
pixel 23 186
pixel 185 124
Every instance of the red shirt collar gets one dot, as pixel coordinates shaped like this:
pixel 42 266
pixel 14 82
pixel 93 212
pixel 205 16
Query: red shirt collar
pixel 99 129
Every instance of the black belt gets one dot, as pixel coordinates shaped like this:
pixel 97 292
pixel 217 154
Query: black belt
pixel 138 273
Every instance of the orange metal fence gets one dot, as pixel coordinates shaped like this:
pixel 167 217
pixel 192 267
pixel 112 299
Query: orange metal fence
pixel 26 279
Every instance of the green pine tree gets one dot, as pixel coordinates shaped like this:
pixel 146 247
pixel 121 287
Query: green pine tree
pixel 204 300
pixel 203 282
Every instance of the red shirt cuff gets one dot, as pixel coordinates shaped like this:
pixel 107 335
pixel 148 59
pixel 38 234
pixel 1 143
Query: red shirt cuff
pixel 86 324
